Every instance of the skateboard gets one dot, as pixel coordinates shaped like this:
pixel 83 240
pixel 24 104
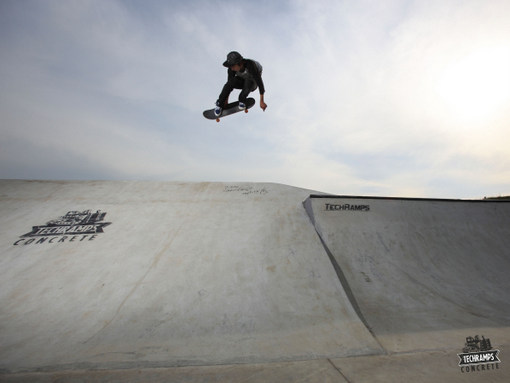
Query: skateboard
pixel 229 109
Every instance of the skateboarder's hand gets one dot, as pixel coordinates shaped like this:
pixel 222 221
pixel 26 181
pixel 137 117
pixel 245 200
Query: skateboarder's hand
pixel 263 105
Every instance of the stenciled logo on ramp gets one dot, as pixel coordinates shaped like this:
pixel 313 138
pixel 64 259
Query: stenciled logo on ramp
pixel 73 227
pixel 478 355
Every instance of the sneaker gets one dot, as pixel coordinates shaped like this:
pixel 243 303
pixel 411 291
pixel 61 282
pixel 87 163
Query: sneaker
pixel 242 106
pixel 218 110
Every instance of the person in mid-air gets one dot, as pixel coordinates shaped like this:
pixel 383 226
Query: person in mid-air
pixel 244 74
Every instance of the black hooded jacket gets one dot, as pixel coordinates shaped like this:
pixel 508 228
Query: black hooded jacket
pixel 253 71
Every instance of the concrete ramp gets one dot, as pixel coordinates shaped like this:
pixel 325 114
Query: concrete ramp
pixel 422 274
pixel 109 275
pixel 219 282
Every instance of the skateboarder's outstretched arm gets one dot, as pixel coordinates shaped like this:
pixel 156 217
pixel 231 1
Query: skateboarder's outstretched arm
pixel 263 105
pixel 256 68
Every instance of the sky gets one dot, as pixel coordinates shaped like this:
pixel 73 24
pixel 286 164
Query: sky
pixel 381 98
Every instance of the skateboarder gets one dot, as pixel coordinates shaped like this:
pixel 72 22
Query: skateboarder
pixel 244 74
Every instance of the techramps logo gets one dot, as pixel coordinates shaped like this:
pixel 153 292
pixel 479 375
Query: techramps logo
pixel 75 226
pixel 347 207
pixel 478 355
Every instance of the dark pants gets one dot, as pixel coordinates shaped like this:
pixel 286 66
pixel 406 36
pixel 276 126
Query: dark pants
pixel 246 87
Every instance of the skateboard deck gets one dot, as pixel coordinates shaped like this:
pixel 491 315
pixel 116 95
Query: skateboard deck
pixel 229 109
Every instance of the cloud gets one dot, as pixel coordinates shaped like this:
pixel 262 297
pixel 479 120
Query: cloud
pixel 377 94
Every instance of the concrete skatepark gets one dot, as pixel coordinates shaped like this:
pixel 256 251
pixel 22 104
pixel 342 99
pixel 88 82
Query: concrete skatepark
pixel 204 282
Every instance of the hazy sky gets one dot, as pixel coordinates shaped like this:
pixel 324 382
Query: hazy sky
pixel 382 97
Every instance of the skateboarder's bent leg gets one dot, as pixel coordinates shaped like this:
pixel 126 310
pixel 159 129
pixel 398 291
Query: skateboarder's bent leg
pixel 248 87
pixel 234 83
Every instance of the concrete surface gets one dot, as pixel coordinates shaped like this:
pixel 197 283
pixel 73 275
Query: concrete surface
pixel 196 282
pixel 422 272
pixel 304 371
pixel 422 367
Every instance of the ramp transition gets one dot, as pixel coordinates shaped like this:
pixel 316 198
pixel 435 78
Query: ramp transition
pixel 147 274
pixel 423 274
